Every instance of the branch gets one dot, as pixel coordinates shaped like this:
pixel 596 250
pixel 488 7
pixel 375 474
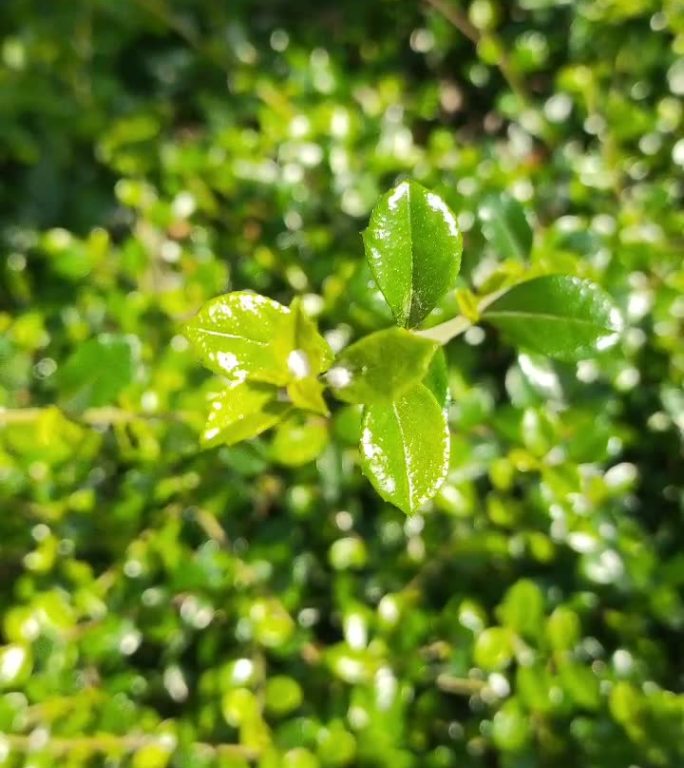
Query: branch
pixel 460 21
pixel 106 742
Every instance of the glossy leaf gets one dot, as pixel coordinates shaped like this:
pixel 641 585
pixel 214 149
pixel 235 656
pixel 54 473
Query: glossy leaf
pixel 381 366
pixel 97 371
pixel 505 226
pixel 563 317
pixel 242 411
pixel 413 245
pixel 405 448
pixel 244 335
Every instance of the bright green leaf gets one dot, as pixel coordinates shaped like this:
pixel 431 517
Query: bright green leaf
pixel 493 648
pixel 379 367
pixel 316 355
pixel 522 609
pixel 563 317
pixel 405 448
pixel 243 410
pixel 283 695
pixel 511 727
pixel 298 441
pixel 505 226
pixel 307 394
pixel 98 371
pixel 413 245
pixel 244 335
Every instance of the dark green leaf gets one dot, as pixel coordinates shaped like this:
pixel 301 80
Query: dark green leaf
pixel 563 317
pixel 98 371
pixel 381 366
pixel 505 226
pixel 413 245
pixel 405 448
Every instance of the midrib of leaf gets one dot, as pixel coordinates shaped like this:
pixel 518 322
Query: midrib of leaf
pixel 407 462
pixel 226 335
pixel 546 316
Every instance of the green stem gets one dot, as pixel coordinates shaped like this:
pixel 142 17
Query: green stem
pixel 104 743
pixel 450 329
pixel 445 332
pixel 104 416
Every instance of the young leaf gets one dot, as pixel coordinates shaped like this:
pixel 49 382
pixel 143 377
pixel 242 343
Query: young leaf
pixel 243 335
pixel 505 226
pixel 405 448
pixel 97 371
pixel 317 355
pixel 413 246
pixel 381 366
pixel 562 317
pixel 307 394
pixel 243 410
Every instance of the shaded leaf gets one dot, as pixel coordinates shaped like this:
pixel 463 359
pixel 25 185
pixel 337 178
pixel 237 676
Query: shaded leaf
pixel 505 226
pixel 437 378
pixel 413 245
pixel 405 448
pixel 98 371
pixel 381 366
pixel 563 317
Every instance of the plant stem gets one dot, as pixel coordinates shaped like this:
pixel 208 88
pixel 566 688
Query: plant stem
pixel 105 742
pixel 450 329
pixel 445 332
pixel 104 416
pixel 461 22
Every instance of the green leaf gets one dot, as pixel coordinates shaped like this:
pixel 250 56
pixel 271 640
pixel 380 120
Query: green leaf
pixel 563 317
pixel 381 366
pixel 437 378
pixel 522 609
pixel 243 410
pixel 244 335
pixel 98 371
pixel 493 648
pixel 307 394
pixel 405 448
pixel 282 695
pixel 297 441
pixel 505 226
pixel 511 728
pixel 317 355
pixel 413 245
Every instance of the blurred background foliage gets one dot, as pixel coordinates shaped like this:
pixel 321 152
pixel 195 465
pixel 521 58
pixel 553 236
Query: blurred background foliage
pixel 166 606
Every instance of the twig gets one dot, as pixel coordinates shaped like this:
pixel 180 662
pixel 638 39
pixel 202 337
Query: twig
pixel 461 22
pixel 106 742
pixel 108 415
